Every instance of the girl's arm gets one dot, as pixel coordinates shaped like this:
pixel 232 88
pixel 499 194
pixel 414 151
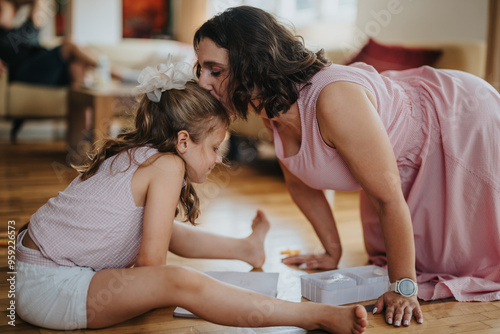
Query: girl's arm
pixel 165 177
pixel 348 120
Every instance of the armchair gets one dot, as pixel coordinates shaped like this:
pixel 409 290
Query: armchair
pixel 21 101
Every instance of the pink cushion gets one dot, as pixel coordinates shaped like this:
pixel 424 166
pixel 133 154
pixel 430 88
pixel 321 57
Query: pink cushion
pixel 389 57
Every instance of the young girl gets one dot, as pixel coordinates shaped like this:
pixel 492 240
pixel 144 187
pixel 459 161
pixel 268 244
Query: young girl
pixel 74 259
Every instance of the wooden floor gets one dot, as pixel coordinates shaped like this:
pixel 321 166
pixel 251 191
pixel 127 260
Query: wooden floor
pixel 32 172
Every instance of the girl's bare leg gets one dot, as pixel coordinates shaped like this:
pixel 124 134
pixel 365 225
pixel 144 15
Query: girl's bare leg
pixel 116 295
pixel 214 246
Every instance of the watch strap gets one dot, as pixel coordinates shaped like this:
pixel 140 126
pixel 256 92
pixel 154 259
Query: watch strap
pixel 393 287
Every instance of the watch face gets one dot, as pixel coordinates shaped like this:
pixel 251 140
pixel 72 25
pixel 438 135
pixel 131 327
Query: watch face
pixel 406 287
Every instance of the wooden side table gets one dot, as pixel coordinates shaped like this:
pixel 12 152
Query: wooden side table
pixel 90 113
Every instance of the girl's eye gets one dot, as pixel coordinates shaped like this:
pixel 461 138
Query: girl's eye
pixel 216 149
pixel 216 74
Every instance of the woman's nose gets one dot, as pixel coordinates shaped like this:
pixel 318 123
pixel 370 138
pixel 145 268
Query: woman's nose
pixel 204 81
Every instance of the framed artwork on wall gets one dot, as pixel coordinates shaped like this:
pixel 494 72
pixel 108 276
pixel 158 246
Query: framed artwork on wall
pixel 61 10
pixel 146 18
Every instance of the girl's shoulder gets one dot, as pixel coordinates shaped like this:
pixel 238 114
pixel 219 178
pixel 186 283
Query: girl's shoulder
pixel 160 169
pixel 165 162
pixel 159 173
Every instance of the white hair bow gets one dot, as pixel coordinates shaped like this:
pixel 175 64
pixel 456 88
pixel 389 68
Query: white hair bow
pixel 155 80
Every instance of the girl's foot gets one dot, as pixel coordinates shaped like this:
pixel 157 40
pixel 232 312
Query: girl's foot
pixel 255 253
pixel 343 319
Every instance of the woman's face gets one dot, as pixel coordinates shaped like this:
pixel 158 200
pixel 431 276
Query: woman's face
pixel 214 63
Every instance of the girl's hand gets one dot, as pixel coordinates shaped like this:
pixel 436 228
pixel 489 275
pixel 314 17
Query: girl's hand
pixel 313 261
pixel 399 309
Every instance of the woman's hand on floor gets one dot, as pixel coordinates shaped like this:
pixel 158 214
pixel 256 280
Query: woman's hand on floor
pixel 313 261
pixel 399 309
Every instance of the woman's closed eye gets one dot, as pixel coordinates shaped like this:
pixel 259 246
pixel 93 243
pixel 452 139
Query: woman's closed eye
pixel 211 71
pixel 215 73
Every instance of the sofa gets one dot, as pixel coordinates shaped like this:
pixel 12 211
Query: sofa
pixel 468 56
pixel 20 101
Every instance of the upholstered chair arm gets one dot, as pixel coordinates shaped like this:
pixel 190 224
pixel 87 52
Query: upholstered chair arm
pixel 4 80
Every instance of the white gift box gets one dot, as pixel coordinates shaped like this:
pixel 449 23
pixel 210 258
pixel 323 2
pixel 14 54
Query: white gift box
pixel 345 286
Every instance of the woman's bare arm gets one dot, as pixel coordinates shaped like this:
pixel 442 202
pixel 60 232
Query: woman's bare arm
pixel 349 121
pixel 313 204
pixel 315 207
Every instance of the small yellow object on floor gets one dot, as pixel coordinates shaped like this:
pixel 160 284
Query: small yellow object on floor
pixel 290 252
pixel 4 242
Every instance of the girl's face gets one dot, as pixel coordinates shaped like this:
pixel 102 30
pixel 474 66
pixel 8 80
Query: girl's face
pixel 214 63
pixel 202 157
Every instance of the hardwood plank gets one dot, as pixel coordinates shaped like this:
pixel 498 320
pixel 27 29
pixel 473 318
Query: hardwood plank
pixel 432 328
pixel 31 173
pixel 495 324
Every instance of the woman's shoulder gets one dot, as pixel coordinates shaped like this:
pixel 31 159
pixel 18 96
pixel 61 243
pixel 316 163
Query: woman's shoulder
pixel 333 74
pixel 339 72
pixel 358 75
pixel 343 95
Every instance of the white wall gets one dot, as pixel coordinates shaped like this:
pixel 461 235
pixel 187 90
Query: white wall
pixel 96 21
pixel 427 20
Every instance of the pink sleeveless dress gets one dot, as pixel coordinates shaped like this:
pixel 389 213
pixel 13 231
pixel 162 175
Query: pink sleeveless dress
pixel 444 127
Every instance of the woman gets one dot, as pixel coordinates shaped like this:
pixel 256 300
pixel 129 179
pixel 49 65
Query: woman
pixel 421 145
pixel 29 62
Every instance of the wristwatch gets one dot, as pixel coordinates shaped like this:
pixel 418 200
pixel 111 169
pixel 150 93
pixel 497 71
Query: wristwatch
pixel 405 287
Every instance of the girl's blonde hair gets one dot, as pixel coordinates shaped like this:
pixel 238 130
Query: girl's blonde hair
pixel 157 124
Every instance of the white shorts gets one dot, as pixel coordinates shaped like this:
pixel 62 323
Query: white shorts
pixel 52 297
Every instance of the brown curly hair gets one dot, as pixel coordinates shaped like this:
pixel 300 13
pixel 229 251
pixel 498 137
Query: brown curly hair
pixel 263 54
pixel 157 124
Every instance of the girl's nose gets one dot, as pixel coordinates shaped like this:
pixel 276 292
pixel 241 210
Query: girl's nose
pixel 218 159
